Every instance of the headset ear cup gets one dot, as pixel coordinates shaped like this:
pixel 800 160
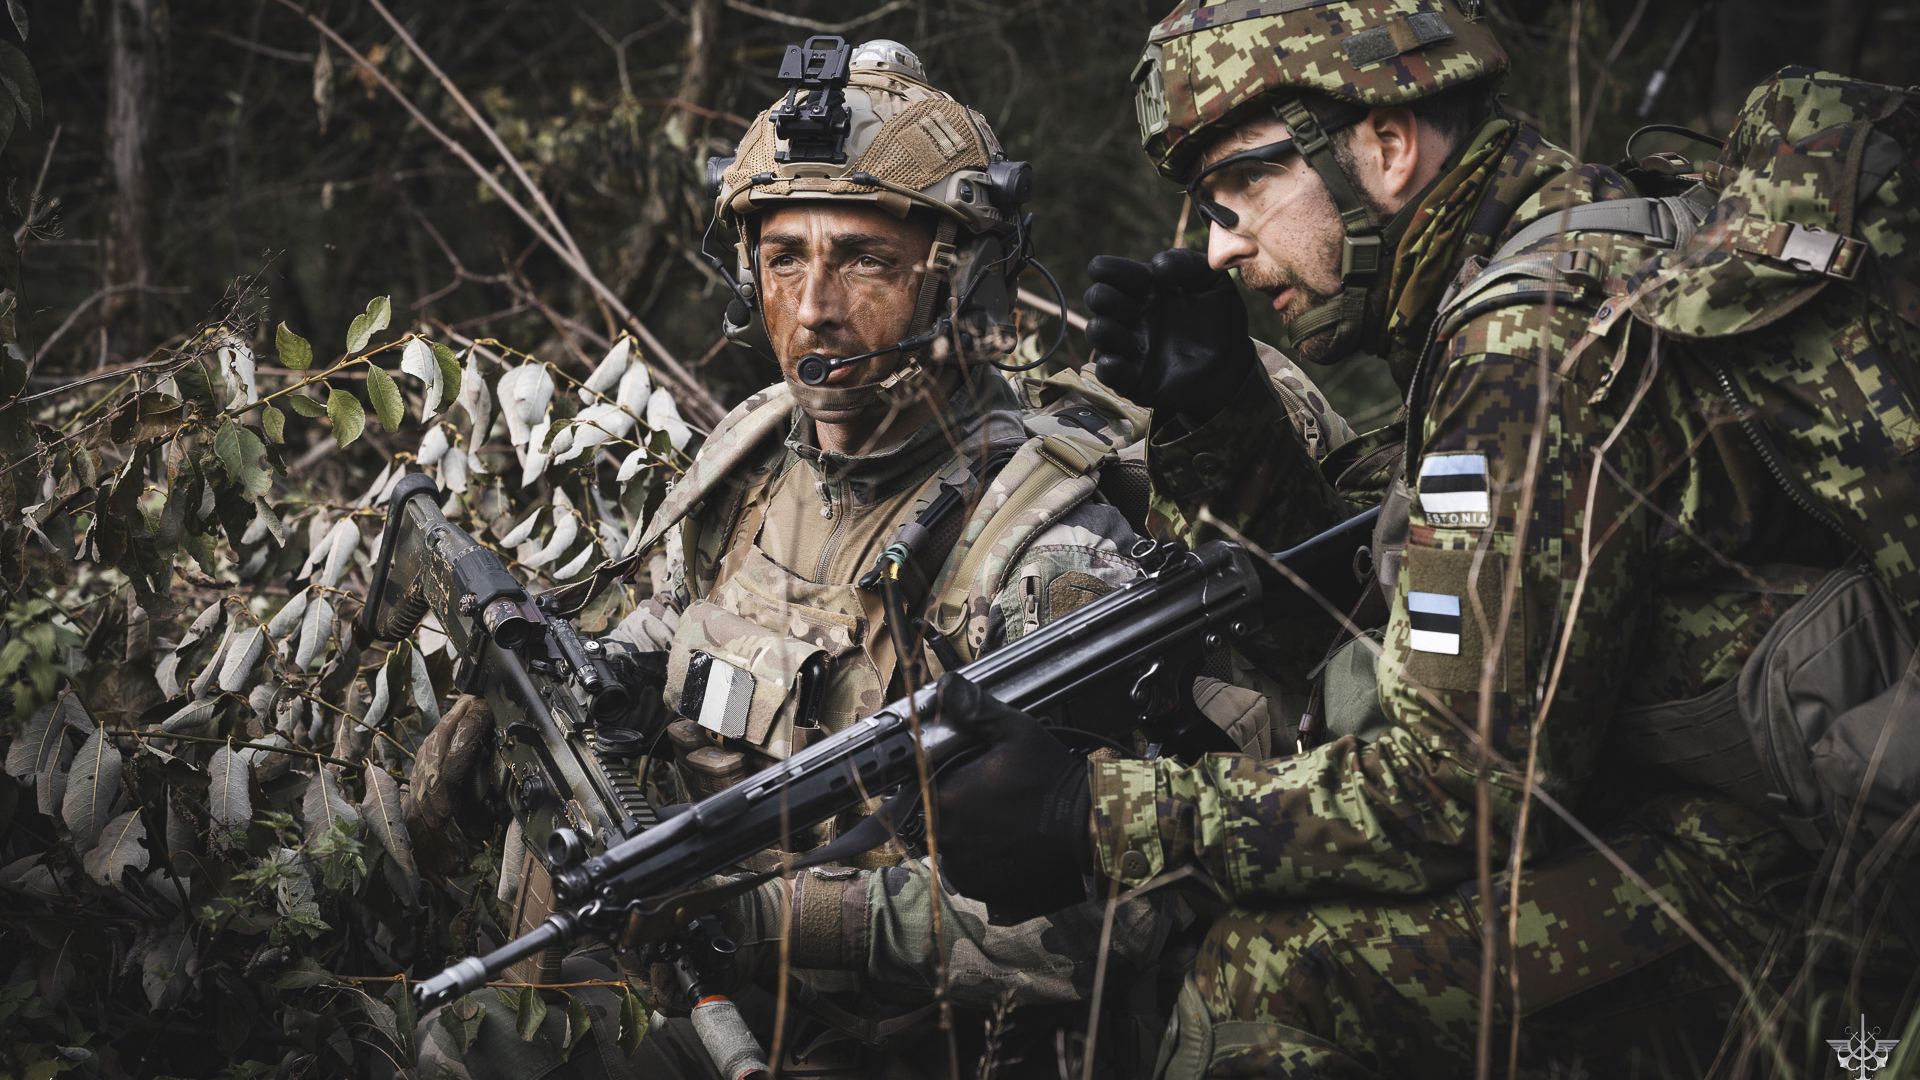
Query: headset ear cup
pixel 744 324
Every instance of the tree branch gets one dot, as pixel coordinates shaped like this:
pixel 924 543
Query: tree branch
pixel 697 400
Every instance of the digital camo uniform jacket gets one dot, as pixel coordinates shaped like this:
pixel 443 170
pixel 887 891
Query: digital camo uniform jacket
pixel 1654 551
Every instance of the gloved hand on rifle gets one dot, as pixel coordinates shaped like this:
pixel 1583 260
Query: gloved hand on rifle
pixel 1170 334
pixel 448 783
pixel 1013 822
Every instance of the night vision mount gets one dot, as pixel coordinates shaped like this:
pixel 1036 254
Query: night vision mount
pixel 814 128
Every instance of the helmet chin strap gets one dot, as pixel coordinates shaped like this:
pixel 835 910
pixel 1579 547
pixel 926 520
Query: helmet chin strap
pixel 1362 250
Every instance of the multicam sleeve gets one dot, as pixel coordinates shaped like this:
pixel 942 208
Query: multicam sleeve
pixel 1250 466
pixel 1069 564
pixel 1397 815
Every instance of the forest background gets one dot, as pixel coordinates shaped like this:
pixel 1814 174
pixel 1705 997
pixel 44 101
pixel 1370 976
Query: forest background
pixel 210 863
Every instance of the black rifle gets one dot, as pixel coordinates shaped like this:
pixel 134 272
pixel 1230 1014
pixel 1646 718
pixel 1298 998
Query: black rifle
pixel 569 715
pixel 1146 638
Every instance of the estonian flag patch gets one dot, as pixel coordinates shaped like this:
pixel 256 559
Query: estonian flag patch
pixel 1435 618
pixel 1453 489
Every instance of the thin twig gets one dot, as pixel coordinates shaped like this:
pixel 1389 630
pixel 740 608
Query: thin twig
pixel 1047 307
pixel 699 401
pixel 1576 138
pixel 1100 977
pixel 816 25
pixel 33 200
pixel 697 110
pixel 296 751
pixel 1613 55
pixel 111 290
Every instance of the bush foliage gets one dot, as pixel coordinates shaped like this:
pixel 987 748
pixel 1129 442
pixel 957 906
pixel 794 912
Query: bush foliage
pixel 206 861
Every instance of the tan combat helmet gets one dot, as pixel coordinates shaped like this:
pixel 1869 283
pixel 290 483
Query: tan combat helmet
pixel 1208 67
pixel 862 124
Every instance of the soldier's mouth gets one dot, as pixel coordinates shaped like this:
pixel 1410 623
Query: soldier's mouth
pixel 1282 298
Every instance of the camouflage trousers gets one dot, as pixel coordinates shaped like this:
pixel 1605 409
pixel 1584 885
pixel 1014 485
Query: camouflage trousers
pixel 1607 983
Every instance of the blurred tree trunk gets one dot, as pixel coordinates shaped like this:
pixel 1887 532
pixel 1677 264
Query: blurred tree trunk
pixel 673 141
pixel 1846 22
pixel 132 61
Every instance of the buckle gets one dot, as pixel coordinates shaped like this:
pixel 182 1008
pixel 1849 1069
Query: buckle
pixel 1359 258
pixel 1577 267
pixel 1315 138
pixel 1817 251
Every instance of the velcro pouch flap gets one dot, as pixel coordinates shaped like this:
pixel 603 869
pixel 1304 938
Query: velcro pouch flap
pixel 732 675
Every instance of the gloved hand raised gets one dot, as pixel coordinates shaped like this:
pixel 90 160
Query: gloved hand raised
pixel 1170 335
pixel 1012 820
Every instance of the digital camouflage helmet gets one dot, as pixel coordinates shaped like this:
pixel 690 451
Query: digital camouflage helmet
pixel 1209 67
pixel 862 124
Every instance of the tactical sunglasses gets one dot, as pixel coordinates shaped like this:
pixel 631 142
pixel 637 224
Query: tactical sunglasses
pixel 1270 154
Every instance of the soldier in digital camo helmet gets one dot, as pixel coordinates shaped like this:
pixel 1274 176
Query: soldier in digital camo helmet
pixel 879 234
pixel 1590 564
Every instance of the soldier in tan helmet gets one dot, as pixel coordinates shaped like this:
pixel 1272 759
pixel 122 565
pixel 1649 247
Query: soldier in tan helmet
pixel 1646 569
pixel 879 234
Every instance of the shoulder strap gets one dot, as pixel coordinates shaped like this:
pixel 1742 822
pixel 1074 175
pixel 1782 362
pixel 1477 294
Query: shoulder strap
pixel 1049 475
pixel 1666 222
pixel 739 437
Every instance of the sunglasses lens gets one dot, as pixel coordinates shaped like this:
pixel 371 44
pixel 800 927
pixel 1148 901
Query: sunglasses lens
pixel 1217 213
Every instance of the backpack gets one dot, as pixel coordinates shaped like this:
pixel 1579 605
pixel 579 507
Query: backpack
pixel 1792 261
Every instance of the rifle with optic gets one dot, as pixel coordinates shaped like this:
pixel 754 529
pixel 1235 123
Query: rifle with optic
pixel 1124 662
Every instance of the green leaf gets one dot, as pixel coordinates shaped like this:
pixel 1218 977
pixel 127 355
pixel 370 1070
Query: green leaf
pixel 93 786
pixel 348 416
pixel 17 76
pixel 577 1023
pixel 530 1011
pixel 385 395
pixel 449 373
pixel 385 819
pixel 228 801
pixel 304 973
pixel 19 12
pixel 633 1024
pixel 35 745
pixel 305 406
pixel 120 850
pixel 363 327
pixel 295 351
pixel 462 1021
pixel 382 1016
pixel 244 457
pixel 275 423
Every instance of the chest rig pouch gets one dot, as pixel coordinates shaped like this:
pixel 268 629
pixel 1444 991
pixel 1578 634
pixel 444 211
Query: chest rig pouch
pixel 767 657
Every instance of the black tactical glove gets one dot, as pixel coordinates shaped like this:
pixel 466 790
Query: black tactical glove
pixel 1012 820
pixel 1171 335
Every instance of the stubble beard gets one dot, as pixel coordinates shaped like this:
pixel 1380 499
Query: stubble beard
pixel 1269 280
